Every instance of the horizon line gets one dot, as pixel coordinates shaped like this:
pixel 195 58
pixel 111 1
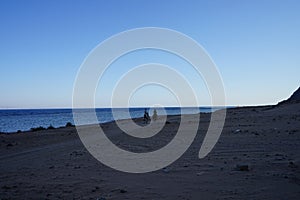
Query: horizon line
pixel 202 106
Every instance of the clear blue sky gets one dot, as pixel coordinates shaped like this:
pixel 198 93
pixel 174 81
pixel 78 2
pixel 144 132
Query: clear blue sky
pixel 255 44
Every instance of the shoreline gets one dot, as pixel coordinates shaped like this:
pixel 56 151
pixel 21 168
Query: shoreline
pixel 26 120
pixel 70 124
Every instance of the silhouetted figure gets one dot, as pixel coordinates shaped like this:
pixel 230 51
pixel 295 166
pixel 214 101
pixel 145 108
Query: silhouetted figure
pixel 154 116
pixel 146 116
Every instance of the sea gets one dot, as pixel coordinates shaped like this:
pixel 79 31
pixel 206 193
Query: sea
pixel 13 120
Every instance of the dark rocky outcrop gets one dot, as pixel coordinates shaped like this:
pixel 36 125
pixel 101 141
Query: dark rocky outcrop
pixel 295 98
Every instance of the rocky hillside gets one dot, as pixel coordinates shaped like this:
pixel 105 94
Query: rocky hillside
pixel 294 98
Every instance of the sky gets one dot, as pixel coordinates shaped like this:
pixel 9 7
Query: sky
pixel 254 44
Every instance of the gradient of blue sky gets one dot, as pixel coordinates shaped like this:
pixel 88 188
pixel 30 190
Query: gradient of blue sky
pixel 255 44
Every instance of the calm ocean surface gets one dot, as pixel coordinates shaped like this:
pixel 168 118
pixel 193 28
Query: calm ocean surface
pixel 24 119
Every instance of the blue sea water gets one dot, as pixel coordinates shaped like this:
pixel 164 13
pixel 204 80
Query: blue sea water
pixel 25 119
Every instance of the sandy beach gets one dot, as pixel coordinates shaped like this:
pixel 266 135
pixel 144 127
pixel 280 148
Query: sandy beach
pixel 257 157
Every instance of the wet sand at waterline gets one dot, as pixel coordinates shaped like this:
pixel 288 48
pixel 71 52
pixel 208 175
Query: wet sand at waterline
pixel 256 157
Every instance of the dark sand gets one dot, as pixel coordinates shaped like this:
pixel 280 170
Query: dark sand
pixel 53 164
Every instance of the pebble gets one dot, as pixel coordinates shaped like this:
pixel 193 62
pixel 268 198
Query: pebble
pixel 166 170
pixel 200 173
pixel 123 191
pixel 242 167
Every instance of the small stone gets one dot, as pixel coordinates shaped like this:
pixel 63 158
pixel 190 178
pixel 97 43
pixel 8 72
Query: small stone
pixel 200 173
pixel 123 191
pixel 242 167
pixel 5 187
pixel 237 131
pixel 292 165
pixel 166 170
